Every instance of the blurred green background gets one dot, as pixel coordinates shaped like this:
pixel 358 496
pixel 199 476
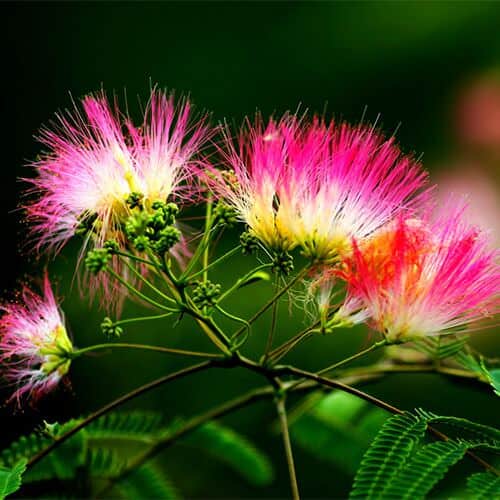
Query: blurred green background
pixel 408 65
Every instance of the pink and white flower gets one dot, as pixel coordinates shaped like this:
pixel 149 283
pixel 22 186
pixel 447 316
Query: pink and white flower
pixel 35 350
pixel 97 158
pixel 419 278
pixel 316 184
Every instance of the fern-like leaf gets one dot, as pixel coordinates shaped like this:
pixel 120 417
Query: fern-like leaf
pixel 235 450
pixel 338 429
pixel 146 482
pixel 134 426
pixel 424 470
pixel 483 486
pixel 11 479
pixel 104 463
pixel 387 454
pixel 470 431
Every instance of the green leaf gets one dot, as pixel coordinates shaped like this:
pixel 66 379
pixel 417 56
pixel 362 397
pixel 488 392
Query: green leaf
pixel 104 462
pixel 61 463
pixel 424 470
pixel 10 479
pixel 469 430
pixel 483 486
pixel 146 482
pixel 254 278
pixel 386 456
pixel 233 449
pixel 338 429
pixel 494 379
pixel 133 426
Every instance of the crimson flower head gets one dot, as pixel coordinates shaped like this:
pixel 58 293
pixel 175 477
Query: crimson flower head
pixel 315 184
pixel 35 350
pixel 416 278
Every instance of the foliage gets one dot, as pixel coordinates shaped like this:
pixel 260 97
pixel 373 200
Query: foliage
pixel 399 465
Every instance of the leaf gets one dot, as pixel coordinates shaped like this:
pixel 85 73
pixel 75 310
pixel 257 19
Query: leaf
pixel 233 449
pixel 338 429
pixel 103 462
pixel 61 463
pixel 424 470
pixel 146 482
pixel 254 278
pixel 473 430
pixel 11 479
pixel 493 377
pixel 483 486
pixel 442 347
pixel 133 426
pixel 387 454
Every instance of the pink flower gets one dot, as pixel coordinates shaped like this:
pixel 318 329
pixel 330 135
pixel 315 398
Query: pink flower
pixel 96 159
pixel 35 349
pixel 316 184
pixel 420 278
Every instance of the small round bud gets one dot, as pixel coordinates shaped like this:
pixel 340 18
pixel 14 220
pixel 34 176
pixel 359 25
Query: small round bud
pixel 97 259
pixel 111 246
pixel 134 200
pixel 110 329
pixel 206 293
pixel 249 243
pixel 282 263
pixel 167 238
pixel 141 243
pixel 156 220
pixel 225 215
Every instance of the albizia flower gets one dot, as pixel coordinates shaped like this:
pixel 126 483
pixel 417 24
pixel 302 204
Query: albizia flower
pixel 317 185
pixel 35 350
pixel 98 166
pixel 96 161
pixel 418 279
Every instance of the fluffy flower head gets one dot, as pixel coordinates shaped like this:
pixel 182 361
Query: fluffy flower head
pixel 34 346
pixel 417 279
pixel 97 159
pixel 317 184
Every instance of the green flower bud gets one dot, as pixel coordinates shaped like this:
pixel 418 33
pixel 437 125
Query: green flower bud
pixel 111 246
pixel 282 263
pixel 225 215
pixel 134 200
pixel 97 259
pixel 167 238
pixel 249 243
pixel 141 243
pixel 206 293
pixel 110 329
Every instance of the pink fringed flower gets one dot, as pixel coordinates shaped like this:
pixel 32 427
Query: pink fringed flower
pixel 35 350
pixel 416 279
pixel 317 185
pixel 98 164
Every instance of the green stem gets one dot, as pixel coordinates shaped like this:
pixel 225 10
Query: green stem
pixel 240 281
pixel 136 258
pixel 208 224
pixel 266 306
pixel 360 354
pixel 118 402
pixel 141 318
pixel 215 262
pixel 149 284
pixel 136 292
pixel 143 347
pixel 272 329
pixel 280 406
pixel 286 347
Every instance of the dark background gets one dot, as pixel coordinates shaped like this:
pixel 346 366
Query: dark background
pixel 404 61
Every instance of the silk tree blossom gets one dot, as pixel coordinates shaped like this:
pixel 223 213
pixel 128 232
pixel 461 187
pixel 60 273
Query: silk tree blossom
pixel 317 184
pixel 417 278
pixel 99 166
pixel 96 161
pixel 35 350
